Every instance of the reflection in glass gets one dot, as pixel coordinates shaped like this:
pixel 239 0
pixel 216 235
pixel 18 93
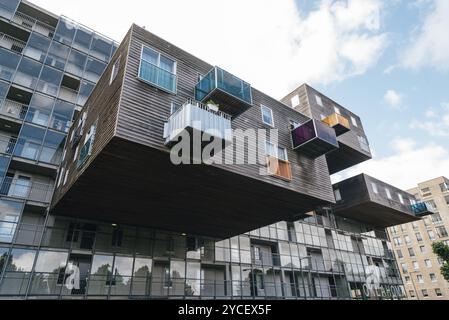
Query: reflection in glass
pixel 141 276
pixel 101 275
pixel 7 9
pixel 101 48
pixel 61 118
pixel 85 91
pixel 49 81
pixel 40 109
pixel 8 64
pixel 37 47
pixel 28 73
pixel 52 148
pixel 122 276
pixel 83 39
pixel 94 70
pixel 29 142
pixel 76 63
pixel 65 31
pixel 57 55
pixel 10 212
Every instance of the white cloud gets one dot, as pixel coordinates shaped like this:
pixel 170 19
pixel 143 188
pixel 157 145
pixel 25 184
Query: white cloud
pixel 409 165
pixel 272 44
pixel 436 124
pixel 430 46
pixel 393 99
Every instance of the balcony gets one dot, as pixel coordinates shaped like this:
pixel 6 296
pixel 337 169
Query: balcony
pixel 205 119
pixel 25 189
pixel 160 78
pixel 233 94
pixel 33 24
pixel 339 123
pixel 7 144
pixel 423 209
pixel 314 139
pixel 11 43
pixel 13 109
pixel 279 168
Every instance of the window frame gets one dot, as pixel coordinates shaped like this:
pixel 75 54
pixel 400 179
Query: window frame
pixel 262 108
pixel 115 70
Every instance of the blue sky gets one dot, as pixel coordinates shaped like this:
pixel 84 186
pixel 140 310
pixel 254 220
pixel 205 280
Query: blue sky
pixel 386 60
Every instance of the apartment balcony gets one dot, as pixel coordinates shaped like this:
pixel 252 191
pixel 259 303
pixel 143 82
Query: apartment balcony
pixel 68 94
pixel 195 116
pixel 11 43
pixel 367 200
pixel 314 139
pixel 7 144
pixel 339 123
pixel 422 209
pixel 232 94
pixel 26 190
pixel 33 24
pixel 13 109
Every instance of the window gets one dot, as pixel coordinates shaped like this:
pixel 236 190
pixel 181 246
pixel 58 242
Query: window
pixel 399 254
pixel 337 110
pixel 51 151
pixel 418 237
pixel 115 70
pixel 295 101
pixel 422 249
pixel 354 122
pixel 364 144
pixel 374 187
pixel 387 191
pixel 401 199
pixel 267 116
pixel 428 263
pixel 407 279
pixel 438 292
pixel 275 151
pixel 431 234
pixel 61 175
pixel 440 262
pixel 425 293
pixel 174 107
pixel 8 64
pixel 66 177
pixel 337 194
pixel 404 267
pixel 158 70
pixel 415 226
pixel 257 254
pixel 415 265
pixel 86 150
pixel 117 237
pixel 447 200
pixel 436 218
pixel 420 278
pixel 408 240
pixel 411 252
pixel 433 277
pixel 432 204
pixel 28 73
pixel 57 55
pixel 442 232
pixel 444 187
pixel 394 229
pixel 94 70
pixel 426 192
pixel 397 241
pixel 412 294
pixel 319 101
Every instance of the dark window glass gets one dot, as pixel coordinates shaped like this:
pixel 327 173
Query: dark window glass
pixel 37 47
pixel 94 69
pixel 62 116
pixel 52 148
pixel 85 91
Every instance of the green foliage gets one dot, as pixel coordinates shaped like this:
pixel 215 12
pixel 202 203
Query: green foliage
pixel 442 251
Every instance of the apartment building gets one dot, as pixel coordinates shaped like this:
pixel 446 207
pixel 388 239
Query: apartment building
pixel 412 243
pixel 89 190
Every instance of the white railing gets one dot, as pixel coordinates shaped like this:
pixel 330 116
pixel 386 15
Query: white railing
pixel 32 24
pixel 198 116
pixel 11 43
pixel 13 109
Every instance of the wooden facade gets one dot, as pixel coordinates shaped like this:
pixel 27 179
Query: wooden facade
pixel 350 152
pixel 128 177
pixel 374 202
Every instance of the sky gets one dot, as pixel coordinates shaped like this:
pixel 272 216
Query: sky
pixel 385 60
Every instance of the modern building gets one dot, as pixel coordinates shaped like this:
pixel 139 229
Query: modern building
pixel 412 243
pixel 93 207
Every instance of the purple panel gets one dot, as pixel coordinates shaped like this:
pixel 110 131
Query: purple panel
pixel 303 133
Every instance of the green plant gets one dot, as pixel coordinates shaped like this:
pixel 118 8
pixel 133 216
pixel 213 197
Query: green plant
pixel 442 251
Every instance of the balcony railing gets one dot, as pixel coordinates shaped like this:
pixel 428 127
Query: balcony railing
pixel 314 138
pixel 422 209
pixel 14 109
pixel 11 43
pixel 24 189
pixel 68 94
pixel 157 77
pixel 194 115
pixel 225 88
pixel 339 123
pixel 279 168
pixel 7 144
pixel 30 23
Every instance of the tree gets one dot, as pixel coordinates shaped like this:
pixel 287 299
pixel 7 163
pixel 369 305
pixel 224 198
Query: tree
pixel 442 251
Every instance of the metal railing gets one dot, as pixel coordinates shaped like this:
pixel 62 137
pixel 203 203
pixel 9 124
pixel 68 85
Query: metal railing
pixel 21 189
pixel 30 23
pixel 7 144
pixel 14 109
pixel 11 43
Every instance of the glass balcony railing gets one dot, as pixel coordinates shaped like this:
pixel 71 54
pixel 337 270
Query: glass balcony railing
pixel 25 189
pixel 422 209
pixel 314 138
pixel 223 87
pixel 158 77
pixel 339 123
pixel 194 115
